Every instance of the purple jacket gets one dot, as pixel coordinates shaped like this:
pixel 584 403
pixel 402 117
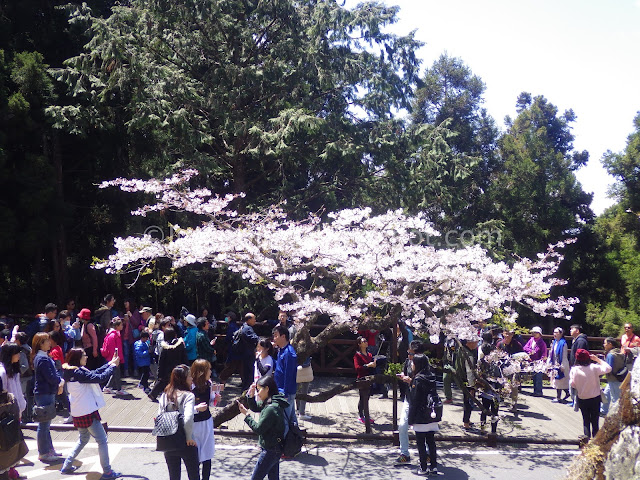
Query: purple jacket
pixel 536 349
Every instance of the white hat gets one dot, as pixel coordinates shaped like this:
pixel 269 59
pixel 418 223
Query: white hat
pixel 191 320
pixel 536 330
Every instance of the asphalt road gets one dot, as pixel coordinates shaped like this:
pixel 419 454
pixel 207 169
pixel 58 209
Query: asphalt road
pixel 235 459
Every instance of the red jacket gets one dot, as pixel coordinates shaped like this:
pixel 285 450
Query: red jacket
pixel 111 342
pixel 359 361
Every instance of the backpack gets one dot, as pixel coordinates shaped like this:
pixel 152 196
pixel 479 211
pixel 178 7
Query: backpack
pixel 619 369
pixel 293 440
pixel 238 340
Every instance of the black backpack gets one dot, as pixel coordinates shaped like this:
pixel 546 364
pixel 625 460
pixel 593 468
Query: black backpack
pixel 293 440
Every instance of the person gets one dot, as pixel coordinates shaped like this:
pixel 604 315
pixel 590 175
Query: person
pixel 629 345
pixel 10 354
pixel 264 397
pixel 190 338
pixel 173 354
pixel 364 364
pixel 579 341
pixel 206 395
pixel 559 366
pixel 135 325
pixel 47 384
pixel 616 359
pixel 264 359
pixel 204 346
pixel 233 359
pixel 142 360
pixel 70 329
pixel 103 312
pixel 85 400
pixel 304 377
pixel 178 396
pixel 492 378
pixel 244 345
pixel 466 361
pixel 287 322
pixel 55 352
pixel 422 418
pixel 449 360
pixel 584 376
pixel 26 374
pixel 512 346
pixel 113 346
pixel 537 350
pixel 416 346
pixel 285 370
pixel 89 338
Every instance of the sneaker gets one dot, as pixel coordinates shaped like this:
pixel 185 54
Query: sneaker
pixel 111 475
pixel 139 386
pixel 53 453
pixel 122 393
pixel 433 471
pixel 304 417
pixel 107 390
pixel 448 401
pixel 421 472
pixel 403 459
pixel 361 419
pixel 69 470
pixel 50 459
pixel 152 398
pixel 555 400
pixel 68 420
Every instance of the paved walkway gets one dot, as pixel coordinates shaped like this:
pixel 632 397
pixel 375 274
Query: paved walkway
pixel 538 417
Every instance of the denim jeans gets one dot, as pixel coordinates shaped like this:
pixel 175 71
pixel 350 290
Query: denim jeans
pixel 537 383
pixel 403 428
pixel 96 431
pixel 268 464
pixel 45 444
pixel 290 412
pixel 612 392
pixel 126 350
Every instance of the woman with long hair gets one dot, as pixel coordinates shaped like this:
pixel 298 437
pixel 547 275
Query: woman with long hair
pixel 205 392
pixel 423 397
pixel 263 397
pixel 47 385
pixel 178 396
pixel 85 398
pixel 11 382
pixel 365 365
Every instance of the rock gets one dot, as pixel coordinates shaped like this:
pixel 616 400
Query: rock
pixel 635 382
pixel 623 460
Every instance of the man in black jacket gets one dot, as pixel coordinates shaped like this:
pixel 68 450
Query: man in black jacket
pixel 579 341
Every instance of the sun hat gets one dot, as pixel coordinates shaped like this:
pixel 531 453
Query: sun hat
pixel 191 320
pixel 536 330
pixel 85 314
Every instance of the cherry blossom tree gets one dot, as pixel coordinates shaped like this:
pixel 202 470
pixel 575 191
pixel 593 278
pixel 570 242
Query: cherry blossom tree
pixel 360 269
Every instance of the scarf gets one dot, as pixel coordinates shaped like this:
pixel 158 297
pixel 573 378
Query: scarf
pixel 557 349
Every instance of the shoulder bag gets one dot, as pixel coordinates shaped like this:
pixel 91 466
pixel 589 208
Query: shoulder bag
pixel 169 431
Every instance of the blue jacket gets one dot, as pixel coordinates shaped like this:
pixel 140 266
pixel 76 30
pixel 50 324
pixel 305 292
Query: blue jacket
pixel 84 375
pixel 46 377
pixel 286 370
pixel 190 342
pixel 141 355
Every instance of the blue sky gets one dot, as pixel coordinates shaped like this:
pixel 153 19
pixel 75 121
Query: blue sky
pixel 579 54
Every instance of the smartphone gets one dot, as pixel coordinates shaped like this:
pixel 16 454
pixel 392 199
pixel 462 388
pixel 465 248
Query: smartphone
pixel 115 354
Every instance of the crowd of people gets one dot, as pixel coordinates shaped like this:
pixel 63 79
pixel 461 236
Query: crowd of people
pixel 68 360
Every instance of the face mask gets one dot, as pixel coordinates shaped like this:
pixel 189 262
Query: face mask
pixel 66 323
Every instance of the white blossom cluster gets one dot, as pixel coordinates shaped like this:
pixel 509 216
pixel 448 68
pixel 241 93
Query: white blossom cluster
pixel 347 266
